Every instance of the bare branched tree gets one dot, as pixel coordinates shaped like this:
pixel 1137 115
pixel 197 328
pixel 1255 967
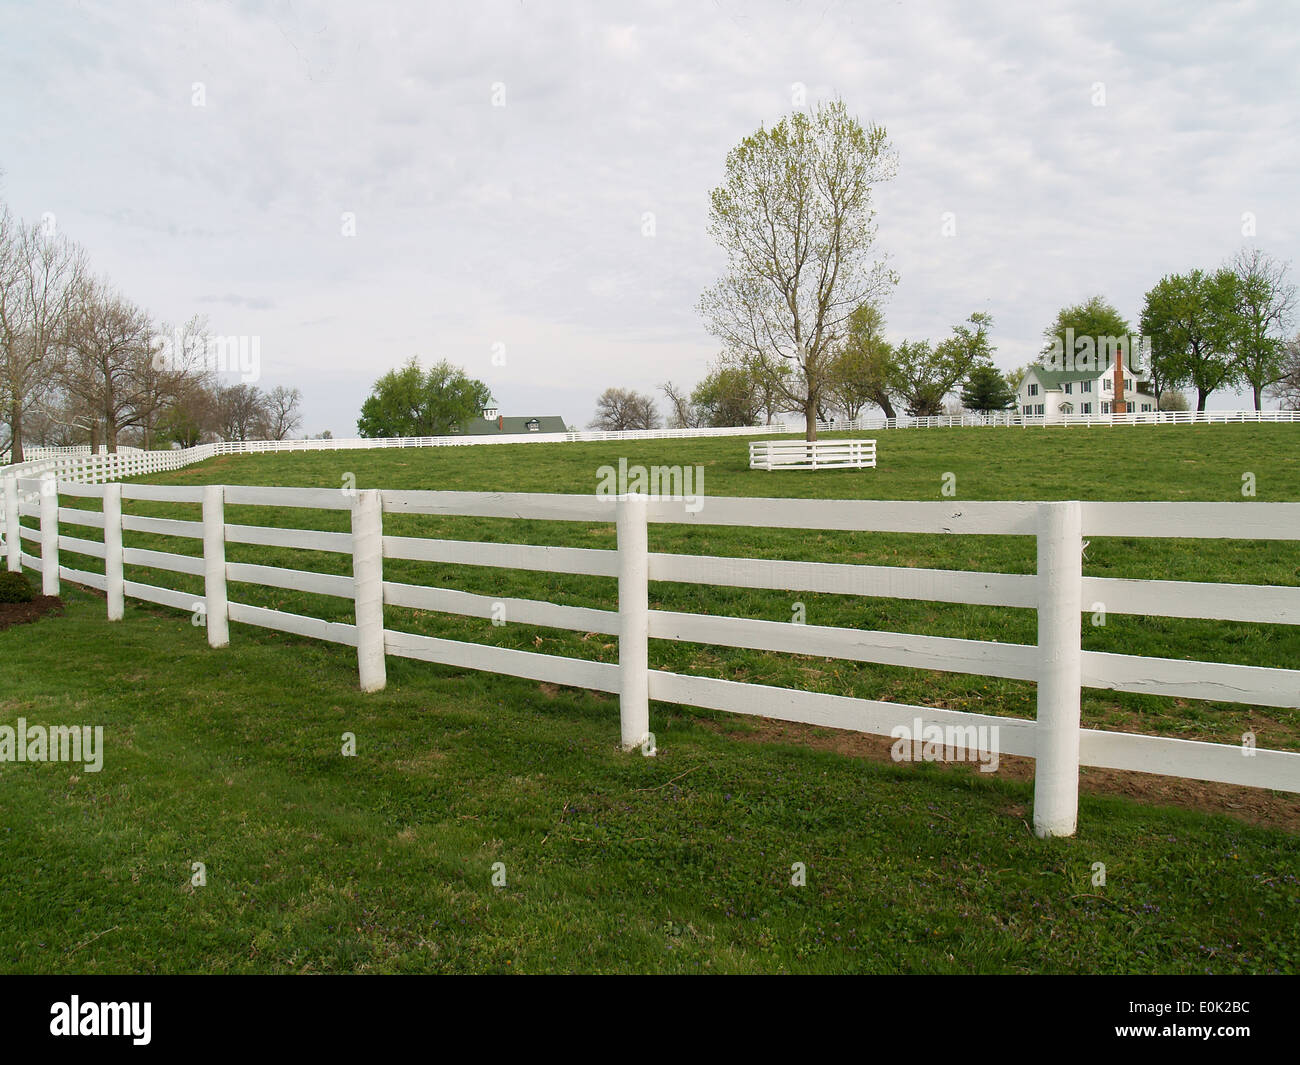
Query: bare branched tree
pixel 175 368
pixel 1266 303
pixel 621 408
pixel 39 272
pixel 1286 389
pixel 282 408
pixel 110 344
pixel 684 414
pixel 241 412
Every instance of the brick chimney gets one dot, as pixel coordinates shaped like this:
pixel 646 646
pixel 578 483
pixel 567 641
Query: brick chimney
pixel 1117 405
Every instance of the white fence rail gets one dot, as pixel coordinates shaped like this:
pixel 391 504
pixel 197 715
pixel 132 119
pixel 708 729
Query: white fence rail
pixel 1024 421
pixel 1057 591
pixel 812 455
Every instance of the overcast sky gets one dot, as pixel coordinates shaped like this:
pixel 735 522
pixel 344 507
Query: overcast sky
pixel 1082 148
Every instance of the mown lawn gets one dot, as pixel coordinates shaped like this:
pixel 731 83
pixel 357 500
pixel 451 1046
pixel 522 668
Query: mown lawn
pixel 383 862
pixel 1149 462
pixel 683 862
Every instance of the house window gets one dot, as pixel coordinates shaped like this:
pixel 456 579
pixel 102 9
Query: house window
pixel 1105 408
pixel 1106 384
pixel 1085 408
pixel 1067 388
pixel 1087 386
pixel 1038 409
pixel 1146 406
pixel 532 425
pixel 1027 410
pixel 1033 390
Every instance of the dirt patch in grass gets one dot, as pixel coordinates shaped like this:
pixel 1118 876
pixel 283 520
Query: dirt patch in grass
pixel 1257 806
pixel 18 613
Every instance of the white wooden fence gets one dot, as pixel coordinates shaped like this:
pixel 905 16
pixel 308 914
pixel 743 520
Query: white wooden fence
pixel 812 455
pixel 1024 421
pixel 1058 592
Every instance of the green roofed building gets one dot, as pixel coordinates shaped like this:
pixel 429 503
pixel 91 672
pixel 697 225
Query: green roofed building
pixel 493 423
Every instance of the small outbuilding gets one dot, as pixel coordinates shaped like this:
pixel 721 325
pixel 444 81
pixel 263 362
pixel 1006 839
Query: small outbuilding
pixel 493 423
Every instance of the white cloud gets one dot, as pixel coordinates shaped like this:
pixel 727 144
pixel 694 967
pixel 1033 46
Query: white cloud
pixel 522 224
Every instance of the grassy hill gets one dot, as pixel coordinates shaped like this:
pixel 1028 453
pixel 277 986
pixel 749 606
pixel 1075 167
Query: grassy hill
pixel 683 862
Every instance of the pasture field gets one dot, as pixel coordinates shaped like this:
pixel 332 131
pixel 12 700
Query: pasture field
pixel 615 862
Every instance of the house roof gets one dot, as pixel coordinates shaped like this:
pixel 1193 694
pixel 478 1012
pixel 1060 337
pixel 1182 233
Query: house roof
pixel 513 426
pixel 1053 380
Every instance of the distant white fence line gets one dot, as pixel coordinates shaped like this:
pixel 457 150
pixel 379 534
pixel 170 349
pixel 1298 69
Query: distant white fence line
pixel 1058 591
pixel 1004 419
pixel 812 455
pixel 78 464
pixel 1010 419
pixel 30 453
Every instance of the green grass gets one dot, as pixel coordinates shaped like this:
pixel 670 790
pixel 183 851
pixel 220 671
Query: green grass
pixel 682 862
pixel 1133 462
pixel 613 862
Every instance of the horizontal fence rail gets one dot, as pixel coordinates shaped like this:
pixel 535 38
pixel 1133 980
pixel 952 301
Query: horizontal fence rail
pixel 812 454
pixel 1058 592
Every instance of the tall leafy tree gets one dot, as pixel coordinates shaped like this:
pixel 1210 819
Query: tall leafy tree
pixel 409 401
pixel 921 375
pixel 1015 377
pixel 987 391
pixel 915 376
pixel 1192 322
pixel 1266 301
pixel 1095 319
pixel 794 215
pixel 859 374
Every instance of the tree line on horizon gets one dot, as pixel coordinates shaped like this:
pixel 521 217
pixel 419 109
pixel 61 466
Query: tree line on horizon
pixel 798 310
pixel 82 364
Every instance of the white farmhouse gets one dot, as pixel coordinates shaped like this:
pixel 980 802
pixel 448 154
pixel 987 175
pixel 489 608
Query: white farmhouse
pixel 1113 389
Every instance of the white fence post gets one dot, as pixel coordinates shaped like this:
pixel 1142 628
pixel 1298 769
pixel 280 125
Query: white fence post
pixel 49 535
pixel 216 607
pixel 113 585
pixel 633 620
pixel 368 587
pixel 13 538
pixel 1060 601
